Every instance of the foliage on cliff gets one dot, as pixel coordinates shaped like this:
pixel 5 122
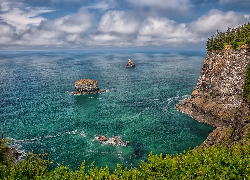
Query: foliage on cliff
pixel 203 163
pixel 234 37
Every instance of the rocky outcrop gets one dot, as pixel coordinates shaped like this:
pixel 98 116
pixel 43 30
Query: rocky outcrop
pixel 12 153
pixel 219 91
pixel 116 140
pixel 102 138
pixel 130 64
pixel 87 86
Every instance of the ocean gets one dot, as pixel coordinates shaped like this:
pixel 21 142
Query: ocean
pixel 38 111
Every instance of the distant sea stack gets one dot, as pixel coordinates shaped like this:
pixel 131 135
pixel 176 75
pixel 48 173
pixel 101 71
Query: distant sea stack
pixel 87 86
pixel 130 64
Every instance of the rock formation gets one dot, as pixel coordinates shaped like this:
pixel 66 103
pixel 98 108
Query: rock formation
pixel 102 138
pixel 116 140
pixel 87 86
pixel 218 100
pixel 12 153
pixel 130 64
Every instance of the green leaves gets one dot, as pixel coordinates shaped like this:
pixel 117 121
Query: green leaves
pixel 199 163
pixel 234 37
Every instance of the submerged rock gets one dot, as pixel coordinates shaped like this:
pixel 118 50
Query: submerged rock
pixel 116 140
pixel 87 86
pixel 102 138
pixel 130 64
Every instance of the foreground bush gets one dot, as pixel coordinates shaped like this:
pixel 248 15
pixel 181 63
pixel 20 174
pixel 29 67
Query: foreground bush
pixel 207 163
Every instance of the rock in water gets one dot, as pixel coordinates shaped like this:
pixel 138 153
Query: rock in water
pixel 130 64
pixel 116 140
pixel 102 138
pixel 87 86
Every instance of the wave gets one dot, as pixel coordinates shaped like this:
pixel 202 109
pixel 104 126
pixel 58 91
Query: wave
pixel 179 98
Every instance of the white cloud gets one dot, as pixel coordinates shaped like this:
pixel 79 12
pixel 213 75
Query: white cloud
pixel 163 31
pixel 118 22
pixel 217 20
pixel 76 23
pixel 7 33
pixel 233 2
pixel 114 29
pixel 178 5
pixel 103 5
pixel 21 16
pixel 62 31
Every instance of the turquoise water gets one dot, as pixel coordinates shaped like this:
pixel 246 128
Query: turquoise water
pixel 39 113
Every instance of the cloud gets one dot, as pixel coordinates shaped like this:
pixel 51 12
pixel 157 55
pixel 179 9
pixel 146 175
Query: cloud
pixel 62 31
pixel 20 16
pixel 8 32
pixel 103 5
pixel 217 20
pixel 177 5
pixel 116 28
pixel 117 22
pixel 76 23
pixel 159 31
pixel 119 30
pixel 242 2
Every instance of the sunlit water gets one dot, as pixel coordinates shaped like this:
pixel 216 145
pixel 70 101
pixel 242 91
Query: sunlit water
pixel 38 111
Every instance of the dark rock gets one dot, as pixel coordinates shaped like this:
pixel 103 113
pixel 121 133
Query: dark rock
pixel 102 138
pixel 87 86
pixel 130 64
pixel 117 140
pixel 12 152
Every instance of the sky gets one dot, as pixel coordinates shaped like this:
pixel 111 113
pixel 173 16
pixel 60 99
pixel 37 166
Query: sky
pixel 116 24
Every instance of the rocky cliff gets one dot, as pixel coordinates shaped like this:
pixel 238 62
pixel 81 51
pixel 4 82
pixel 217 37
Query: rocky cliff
pixel 218 99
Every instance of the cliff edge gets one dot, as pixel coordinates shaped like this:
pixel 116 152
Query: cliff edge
pixel 218 99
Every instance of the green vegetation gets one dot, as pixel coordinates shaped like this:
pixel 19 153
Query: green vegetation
pixel 234 37
pixel 200 163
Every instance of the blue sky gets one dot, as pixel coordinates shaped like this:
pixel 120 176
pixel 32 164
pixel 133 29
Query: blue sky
pixel 116 24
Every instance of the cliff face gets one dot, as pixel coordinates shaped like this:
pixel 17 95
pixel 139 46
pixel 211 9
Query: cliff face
pixel 219 90
pixel 218 100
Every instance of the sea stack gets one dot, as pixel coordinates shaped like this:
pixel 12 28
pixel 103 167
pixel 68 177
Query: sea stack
pixel 87 86
pixel 130 64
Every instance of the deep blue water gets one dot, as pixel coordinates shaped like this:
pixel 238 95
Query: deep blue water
pixel 39 113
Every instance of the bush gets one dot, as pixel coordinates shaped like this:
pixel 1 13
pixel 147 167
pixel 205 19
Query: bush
pixel 234 45
pixel 248 42
pixel 200 163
